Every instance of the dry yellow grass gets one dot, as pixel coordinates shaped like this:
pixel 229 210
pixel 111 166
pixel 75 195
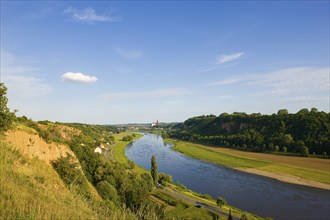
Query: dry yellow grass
pixel 32 145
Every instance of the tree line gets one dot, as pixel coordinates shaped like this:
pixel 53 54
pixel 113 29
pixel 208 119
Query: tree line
pixel 305 132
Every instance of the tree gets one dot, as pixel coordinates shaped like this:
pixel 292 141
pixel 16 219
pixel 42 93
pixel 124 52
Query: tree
pixel 287 139
pixel 154 169
pixel 107 191
pixel 304 151
pixel 230 217
pixel 282 112
pixel 244 217
pixel 221 201
pixel 6 117
pixel 284 149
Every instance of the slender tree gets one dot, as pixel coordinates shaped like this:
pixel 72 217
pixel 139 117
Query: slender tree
pixel 154 169
pixel 230 217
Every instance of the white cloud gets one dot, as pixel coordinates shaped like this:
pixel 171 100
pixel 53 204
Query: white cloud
pixel 88 15
pixel 284 81
pixel 20 77
pixel 228 58
pixel 129 54
pixel 170 92
pixel 78 77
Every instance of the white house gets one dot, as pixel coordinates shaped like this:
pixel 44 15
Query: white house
pixel 98 150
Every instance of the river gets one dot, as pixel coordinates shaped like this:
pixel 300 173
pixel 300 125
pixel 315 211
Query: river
pixel 261 195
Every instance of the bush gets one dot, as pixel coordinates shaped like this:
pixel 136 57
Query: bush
pixel 304 151
pixel 72 176
pixel 163 177
pixel 127 138
pixel 107 191
pixel 221 201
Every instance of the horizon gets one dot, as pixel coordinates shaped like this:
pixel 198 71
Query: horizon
pixel 116 63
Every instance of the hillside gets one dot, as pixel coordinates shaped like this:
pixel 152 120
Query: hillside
pixel 305 132
pixel 44 179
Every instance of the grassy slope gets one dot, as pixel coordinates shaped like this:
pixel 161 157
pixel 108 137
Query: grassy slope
pixel 31 189
pixel 239 162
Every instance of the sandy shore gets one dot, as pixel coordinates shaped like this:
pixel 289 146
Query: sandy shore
pixel 288 178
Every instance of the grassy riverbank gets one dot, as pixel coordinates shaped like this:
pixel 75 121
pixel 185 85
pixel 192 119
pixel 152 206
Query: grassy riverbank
pixel 294 171
pixel 119 150
pixel 176 207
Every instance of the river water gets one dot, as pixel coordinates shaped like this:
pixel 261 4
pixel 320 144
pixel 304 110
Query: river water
pixel 261 195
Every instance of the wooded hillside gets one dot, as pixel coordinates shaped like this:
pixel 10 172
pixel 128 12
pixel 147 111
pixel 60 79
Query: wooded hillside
pixel 303 132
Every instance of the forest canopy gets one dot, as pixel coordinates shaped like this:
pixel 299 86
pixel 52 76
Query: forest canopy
pixel 304 132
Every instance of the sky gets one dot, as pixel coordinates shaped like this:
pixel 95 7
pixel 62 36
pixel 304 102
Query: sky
pixel 113 62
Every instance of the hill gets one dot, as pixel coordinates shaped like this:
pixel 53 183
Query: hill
pixel 305 132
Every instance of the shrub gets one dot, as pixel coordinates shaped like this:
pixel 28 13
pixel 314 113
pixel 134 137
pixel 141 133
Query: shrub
pixel 107 191
pixel 221 201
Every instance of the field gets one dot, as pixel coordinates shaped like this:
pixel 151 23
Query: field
pixel 306 171
pixel 119 149
pixel 311 163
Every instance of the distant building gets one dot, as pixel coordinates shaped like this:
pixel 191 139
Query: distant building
pixel 98 150
pixel 154 124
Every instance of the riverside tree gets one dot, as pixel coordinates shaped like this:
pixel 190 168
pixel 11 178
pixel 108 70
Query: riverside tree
pixel 6 117
pixel 154 169
pixel 221 201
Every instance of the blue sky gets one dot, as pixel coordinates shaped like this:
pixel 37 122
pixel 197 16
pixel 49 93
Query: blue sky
pixel 109 62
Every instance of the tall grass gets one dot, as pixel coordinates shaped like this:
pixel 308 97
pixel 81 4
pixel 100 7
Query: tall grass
pixel 30 189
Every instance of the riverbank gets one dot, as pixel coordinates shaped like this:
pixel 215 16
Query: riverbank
pixel 263 165
pixel 185 200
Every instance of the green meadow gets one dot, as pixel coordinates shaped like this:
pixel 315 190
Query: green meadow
pixel 238 162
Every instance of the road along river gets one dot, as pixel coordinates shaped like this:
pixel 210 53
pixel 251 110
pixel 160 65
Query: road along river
pixel 261 195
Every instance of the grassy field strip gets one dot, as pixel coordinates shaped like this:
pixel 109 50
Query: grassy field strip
pixel 306 162
pixel 225 159
pixel 316 175
pixel 239 162
pixel 119 150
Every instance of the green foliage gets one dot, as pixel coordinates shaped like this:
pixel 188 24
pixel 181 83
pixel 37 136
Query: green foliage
pixel 107 191
pixel 128 138
pixel 304 152
pixel 71 175
pixel 221 201
pixel 181 186
pixel 154 170
pixel 164 178
pixel 206 196
pixel 6 117
pixel 244 217
pixel 260 133
pixel 284 149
